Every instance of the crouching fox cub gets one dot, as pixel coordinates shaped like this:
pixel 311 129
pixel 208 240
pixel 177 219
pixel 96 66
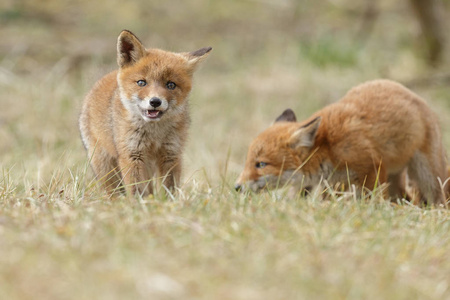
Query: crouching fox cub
pixel 378 131
pixel 134 121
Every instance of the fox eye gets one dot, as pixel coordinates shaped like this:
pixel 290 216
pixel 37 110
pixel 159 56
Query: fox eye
pixel 260 164
pixel 171 85
pixel 141 82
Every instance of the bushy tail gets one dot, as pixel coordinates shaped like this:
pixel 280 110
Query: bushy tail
pixel 447 185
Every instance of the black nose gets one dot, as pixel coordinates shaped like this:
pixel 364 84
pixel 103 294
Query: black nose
pixel 155 102
pixel 238 187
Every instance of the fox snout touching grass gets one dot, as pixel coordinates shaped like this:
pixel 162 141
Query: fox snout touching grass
pixel 378 131
pixel 134 121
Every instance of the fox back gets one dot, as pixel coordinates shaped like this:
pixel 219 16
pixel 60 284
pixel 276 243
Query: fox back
pixel 134 121
pixel 374 134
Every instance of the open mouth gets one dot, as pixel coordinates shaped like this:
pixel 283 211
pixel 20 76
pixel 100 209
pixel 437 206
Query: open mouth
pixel 153 114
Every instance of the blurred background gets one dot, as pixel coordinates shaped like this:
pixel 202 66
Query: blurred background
pixel 267 55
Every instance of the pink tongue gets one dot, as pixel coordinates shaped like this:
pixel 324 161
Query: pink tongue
pixel 153 113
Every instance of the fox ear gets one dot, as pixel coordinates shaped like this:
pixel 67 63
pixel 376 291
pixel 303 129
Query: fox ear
pixel 197 56
pixel 305 136
pixel 287 116
pixel 129 49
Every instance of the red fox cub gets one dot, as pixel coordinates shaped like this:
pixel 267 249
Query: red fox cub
pixel 375 132
pixel 134 121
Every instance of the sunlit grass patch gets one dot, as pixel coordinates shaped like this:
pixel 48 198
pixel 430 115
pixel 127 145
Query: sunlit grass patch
pixel 210 240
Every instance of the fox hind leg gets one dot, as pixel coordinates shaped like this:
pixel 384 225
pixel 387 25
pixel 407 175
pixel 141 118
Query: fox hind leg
pixel 420 170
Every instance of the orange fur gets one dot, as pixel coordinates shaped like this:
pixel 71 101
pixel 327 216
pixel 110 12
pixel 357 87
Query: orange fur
pixel 134 121
pixel 371 136
pixel 448 183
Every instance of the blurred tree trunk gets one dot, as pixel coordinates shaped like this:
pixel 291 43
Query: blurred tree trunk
pixel 427 12
pixel 370 15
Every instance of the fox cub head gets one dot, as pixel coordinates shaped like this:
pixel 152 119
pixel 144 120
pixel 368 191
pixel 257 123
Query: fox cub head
pixel 153 83
pixel 278 155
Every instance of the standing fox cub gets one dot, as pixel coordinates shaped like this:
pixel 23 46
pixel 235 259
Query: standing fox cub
pixel 372 136
pixel 134 121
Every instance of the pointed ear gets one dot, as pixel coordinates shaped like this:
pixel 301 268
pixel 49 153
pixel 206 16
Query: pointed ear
pixel 129 49
pixel 305 136
pixel 197 56
pixel 287 116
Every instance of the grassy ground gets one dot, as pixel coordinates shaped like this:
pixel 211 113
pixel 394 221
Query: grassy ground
pixel 60 238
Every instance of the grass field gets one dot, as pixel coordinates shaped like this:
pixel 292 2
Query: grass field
pixel 61 238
